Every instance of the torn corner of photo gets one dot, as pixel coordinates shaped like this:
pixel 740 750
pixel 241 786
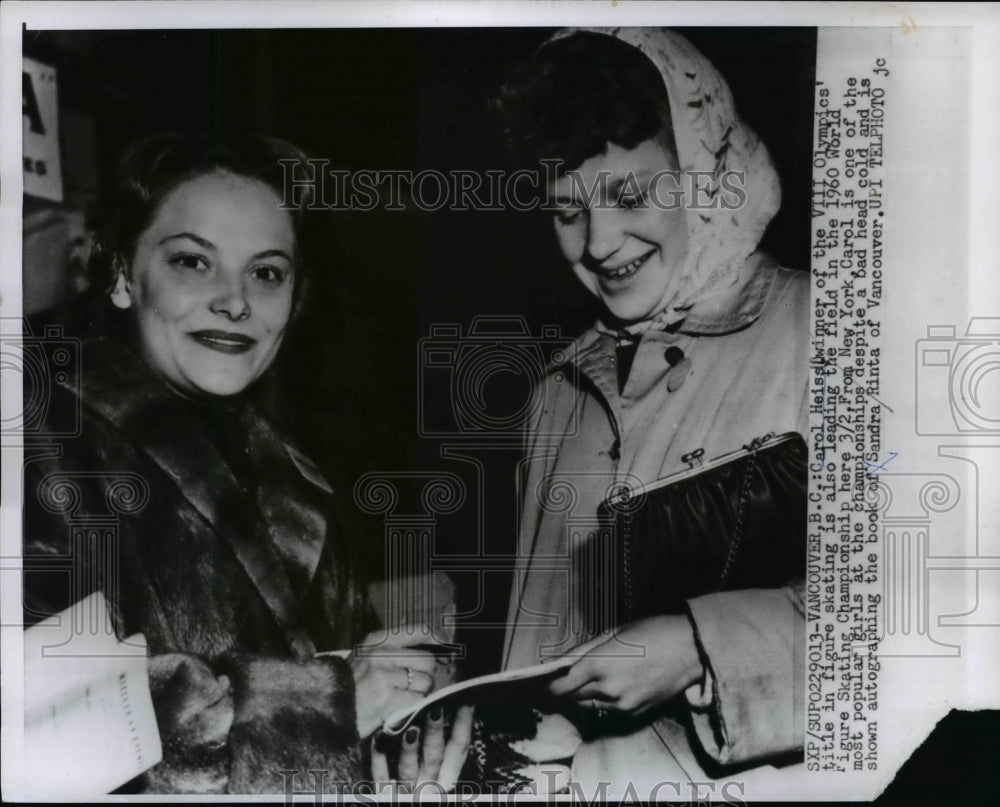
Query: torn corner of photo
pixel 89 725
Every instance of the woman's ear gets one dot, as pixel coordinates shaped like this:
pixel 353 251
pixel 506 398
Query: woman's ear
pixel 121 295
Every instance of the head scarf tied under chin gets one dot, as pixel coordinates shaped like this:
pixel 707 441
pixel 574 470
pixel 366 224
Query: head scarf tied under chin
pixel 710 138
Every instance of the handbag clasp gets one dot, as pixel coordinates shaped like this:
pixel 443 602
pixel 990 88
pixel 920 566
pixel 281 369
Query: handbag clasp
pixel 757 442
pixel 693 458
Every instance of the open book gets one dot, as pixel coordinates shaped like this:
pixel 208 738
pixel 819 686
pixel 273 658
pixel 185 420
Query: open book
pixel 89 725
pixel 398 721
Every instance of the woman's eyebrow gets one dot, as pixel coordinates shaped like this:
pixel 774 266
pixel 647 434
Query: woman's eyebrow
pixel 204 242
pixel 633 177
pixel 636 179
pixel 273 253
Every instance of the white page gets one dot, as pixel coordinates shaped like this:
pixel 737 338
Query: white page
pixel 89 724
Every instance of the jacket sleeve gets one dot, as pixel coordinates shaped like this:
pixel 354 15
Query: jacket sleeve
pixel 293 721
pixel 238 723
pixel 291 718
pixel 262 725
pixel 750 704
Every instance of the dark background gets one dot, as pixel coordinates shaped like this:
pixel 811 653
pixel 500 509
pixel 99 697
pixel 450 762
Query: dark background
pixel 397 99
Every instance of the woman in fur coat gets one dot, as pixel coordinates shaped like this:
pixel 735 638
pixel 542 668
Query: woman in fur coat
pixel 206 530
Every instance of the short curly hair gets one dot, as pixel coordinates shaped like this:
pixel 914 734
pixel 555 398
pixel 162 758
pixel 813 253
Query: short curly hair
pixel 155 165
pixel 578 93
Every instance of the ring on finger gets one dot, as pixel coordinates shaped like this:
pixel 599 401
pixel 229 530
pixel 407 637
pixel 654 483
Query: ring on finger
pixel 599 710
pixel 409 678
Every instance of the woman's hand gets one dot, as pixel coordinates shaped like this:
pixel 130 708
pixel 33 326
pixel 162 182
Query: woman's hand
pixel 194 709
pixel 433 764
pixel 387 677
pixel 608 676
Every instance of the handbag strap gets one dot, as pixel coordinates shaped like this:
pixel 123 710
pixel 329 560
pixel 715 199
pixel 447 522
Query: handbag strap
pixel 734 545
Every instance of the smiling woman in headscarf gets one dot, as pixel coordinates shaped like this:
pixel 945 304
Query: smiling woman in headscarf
pixel 701 346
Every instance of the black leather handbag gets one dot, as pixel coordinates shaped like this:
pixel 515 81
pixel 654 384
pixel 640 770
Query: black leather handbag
pixel 738 521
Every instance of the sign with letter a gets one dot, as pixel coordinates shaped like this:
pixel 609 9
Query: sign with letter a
pixel 40 150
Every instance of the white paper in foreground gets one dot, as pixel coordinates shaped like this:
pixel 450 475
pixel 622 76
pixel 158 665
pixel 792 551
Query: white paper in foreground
pixel 89 725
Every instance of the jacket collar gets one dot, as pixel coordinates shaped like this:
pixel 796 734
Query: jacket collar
pixel 117 385
pixel 738 306
pixel 732 310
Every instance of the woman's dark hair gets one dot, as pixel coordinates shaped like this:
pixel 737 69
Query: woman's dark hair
pixel 153 166
pixel 577 94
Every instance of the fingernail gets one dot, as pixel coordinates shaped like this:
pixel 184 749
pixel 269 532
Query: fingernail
pixel 434 714
pixel 411 736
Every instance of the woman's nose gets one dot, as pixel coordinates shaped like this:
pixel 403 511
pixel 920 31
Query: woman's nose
pixel 231 300
pixel 604 234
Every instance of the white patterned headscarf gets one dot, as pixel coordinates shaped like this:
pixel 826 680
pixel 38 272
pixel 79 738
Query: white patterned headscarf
pixel 711 138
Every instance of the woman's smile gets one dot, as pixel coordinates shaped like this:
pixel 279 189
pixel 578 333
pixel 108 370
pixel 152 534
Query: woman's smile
pixel 224 341
pixel 614 276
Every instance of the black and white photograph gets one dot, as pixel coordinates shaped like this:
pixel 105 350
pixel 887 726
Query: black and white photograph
pixel 581 402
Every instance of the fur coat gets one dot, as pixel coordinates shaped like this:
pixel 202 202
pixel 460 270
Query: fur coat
pixel 214 537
